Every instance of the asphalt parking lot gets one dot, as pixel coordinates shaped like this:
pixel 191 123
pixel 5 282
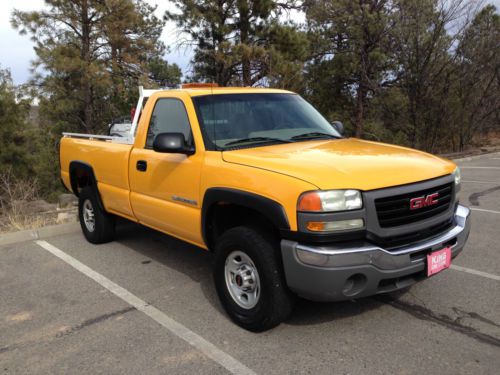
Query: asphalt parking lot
pixel 146 304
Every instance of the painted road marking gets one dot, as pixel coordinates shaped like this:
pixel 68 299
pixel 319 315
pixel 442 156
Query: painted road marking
pixel 482 210
pixel 475 272
pixel 206 347
pixel 463 167
pixel 481 182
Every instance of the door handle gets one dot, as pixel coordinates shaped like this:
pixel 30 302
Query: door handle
pixel 142 165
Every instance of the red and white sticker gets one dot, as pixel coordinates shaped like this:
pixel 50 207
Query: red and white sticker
pixel 438 261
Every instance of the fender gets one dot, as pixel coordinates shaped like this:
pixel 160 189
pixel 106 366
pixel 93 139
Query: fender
pixel 81 165
pixel 271 209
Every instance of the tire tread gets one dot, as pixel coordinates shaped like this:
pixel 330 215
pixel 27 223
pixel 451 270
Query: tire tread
pixel 104 222
pixel 279 301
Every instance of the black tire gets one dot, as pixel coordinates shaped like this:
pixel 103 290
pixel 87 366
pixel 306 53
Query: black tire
pixel 275 302
pixel 104 223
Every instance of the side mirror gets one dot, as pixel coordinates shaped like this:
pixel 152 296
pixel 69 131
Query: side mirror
pixel 172 143
pixel 337 125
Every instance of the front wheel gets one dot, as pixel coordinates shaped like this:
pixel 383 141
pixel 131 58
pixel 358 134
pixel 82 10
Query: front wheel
pixel 249 279
pixel 97 225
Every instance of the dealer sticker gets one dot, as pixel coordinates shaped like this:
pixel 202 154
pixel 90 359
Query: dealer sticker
pixel 438 261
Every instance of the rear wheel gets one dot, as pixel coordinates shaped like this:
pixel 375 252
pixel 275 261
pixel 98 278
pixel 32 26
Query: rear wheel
pixel 249 279
pixel 97 225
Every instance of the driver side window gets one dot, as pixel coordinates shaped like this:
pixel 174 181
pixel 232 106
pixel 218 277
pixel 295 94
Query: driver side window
pixel 169 116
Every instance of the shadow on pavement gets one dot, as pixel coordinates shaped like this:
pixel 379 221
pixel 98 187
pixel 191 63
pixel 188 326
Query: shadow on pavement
pixel 196 263
pixel 192 261
pixel 310 313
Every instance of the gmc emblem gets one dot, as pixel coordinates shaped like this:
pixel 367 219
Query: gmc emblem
pixel 421 202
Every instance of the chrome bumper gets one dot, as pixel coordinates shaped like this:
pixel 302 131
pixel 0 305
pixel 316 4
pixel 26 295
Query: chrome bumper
pixel 358 269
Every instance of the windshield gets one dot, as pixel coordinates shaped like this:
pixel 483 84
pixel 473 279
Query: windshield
pixel 232 121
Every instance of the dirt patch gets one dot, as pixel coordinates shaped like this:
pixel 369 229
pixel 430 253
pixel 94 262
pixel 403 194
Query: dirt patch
pixel 20 317
pixel 21 207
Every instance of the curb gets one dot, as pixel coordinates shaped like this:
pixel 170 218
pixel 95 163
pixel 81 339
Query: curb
pixel 37 234
pixel 475 157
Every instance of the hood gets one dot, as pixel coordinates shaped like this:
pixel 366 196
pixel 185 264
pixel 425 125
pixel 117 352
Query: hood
pixel 344 163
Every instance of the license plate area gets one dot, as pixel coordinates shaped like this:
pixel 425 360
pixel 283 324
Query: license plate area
pixel 438 261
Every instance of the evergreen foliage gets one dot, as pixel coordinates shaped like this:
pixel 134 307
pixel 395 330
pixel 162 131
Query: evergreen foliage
pixel 419 73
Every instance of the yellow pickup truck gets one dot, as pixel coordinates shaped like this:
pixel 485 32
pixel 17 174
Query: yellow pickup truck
pixel 287 204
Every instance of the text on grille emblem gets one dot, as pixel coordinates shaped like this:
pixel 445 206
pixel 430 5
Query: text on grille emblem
pixel 425 201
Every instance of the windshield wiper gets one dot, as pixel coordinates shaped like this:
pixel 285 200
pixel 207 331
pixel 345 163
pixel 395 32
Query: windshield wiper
pixel 313 135
pixel 256 139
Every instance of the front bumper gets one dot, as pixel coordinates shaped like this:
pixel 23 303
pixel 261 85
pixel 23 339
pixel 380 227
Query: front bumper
pixel 359 269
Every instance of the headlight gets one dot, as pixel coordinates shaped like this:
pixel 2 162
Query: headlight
pixel 330 200
pixel 457 175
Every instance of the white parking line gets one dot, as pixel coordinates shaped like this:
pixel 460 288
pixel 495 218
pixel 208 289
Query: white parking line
pixel 463 167
pixel 206 347
pixel 482 182
pixel 482 210
pixel 475 272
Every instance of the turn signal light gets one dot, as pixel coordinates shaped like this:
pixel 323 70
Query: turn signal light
pixel 310 202
pixel 333 226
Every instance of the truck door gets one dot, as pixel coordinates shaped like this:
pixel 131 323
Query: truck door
pixel 164 188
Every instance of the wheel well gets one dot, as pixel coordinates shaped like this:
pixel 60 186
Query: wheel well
pixel 223 216
pixel 81 175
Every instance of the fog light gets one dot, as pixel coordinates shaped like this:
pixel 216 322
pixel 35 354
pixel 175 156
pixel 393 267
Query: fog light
pixel 354 285
pixel 333 226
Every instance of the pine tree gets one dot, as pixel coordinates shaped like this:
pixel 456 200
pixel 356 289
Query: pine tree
pixel 14 154
pixel 91 53
pixel 239 42
pixel 477 79
pixel 352 44
pixel 163 73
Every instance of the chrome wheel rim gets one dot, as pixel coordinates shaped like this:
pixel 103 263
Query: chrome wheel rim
pixel 242 279
pixel 88 215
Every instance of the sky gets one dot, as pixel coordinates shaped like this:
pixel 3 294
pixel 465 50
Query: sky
pixel 17 50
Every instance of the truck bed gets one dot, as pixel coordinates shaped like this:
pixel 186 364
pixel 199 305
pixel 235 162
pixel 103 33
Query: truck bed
pixel 112 177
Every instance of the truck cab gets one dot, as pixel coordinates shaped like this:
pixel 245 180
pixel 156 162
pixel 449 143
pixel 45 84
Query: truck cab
pixel 288 204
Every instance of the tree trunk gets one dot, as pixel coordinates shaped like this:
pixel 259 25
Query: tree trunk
pixel 413 109
pixel 247 77
pixel 360 110
pixel 244 26
pixel 85 55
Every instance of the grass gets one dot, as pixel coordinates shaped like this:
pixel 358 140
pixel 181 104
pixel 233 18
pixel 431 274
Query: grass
pixel 16 212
